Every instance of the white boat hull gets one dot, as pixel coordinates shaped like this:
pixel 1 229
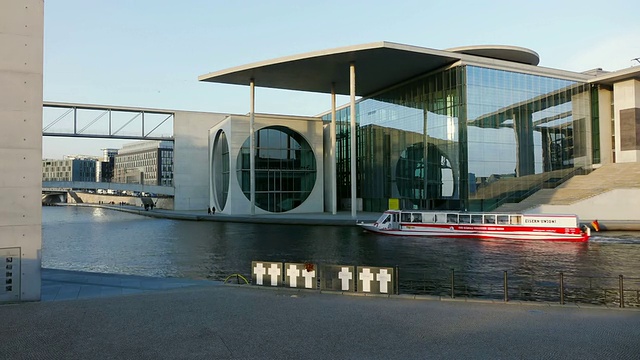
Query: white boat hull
pixel 479 232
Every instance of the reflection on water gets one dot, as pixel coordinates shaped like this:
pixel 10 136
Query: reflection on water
pixel 93 239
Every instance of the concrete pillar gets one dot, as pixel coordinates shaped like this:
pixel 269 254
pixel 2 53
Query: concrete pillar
pixel 626 112
pixel 605 99
pixel 252 147
pixel 352 94
pixel 332 153
pixel 21 64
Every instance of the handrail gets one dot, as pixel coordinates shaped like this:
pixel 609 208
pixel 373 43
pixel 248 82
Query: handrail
pixel 552 287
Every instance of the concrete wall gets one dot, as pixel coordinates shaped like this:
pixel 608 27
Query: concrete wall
pixel 191 158
pixel 626 96
pixel 618 205
pixel 237 132
pixel 21 41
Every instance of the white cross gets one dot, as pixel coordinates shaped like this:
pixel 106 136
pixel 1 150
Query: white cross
pixel 383 277
pixel 345 276
pixel 274 272
pixel 259 270
pixel 292 274
pixel 366 276
pixel 308 278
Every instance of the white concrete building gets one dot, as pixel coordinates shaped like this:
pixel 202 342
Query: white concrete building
pixel 288 165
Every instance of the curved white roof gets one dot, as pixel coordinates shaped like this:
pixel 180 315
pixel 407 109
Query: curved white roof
pixel 501 52
pixel 379 65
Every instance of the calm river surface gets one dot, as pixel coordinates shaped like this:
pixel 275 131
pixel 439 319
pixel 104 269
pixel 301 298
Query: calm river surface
pixel 100 240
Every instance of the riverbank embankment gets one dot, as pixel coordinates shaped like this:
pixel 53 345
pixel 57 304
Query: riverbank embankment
pixel 342 218
pixel 338 219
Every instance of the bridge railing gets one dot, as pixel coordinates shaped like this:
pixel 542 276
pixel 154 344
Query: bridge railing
pixel 156 189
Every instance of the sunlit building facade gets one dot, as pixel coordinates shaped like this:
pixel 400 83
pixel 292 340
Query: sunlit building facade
pixel 145 162
pixel 470 128
pixel 71 168
pixel 468 137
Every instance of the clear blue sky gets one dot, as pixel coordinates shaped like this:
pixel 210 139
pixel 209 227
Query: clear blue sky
pixel 150 53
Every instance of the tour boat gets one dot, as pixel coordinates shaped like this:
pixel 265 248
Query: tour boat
pixel 479 225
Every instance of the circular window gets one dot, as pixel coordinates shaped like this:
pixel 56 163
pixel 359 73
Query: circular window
pixel 285 169
pixel 220 169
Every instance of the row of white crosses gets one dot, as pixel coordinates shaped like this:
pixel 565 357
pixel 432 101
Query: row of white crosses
pixel 274 272
pixel 366 276
pixel 293 273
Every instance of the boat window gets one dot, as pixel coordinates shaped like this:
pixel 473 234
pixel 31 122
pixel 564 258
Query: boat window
pixel 405 217
pixel 428 218
pixel 395 217
pixel 452 218
pixel 503 219
pixel 516 219
pixel 416 217
pixel 465 219
pixel 489 219
pixel 382 217
pixel 386 220
pixel 476 219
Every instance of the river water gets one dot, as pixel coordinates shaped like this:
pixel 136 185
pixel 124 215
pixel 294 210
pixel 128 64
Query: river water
pixel 101 240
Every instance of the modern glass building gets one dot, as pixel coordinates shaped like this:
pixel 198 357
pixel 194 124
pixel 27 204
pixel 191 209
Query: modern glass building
pixel 467 137
pixel 469 128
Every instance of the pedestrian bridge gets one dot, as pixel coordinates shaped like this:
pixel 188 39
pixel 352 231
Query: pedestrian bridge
pixel 91 185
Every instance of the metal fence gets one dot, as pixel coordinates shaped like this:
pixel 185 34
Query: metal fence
pixel 562 288
pixel 504 286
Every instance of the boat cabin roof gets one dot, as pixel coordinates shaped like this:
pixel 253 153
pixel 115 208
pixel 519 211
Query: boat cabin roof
pixel 485 218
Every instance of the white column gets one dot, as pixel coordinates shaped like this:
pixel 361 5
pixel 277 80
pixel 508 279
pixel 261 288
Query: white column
pixel 332 153
pixel 352 93
pixel 252 147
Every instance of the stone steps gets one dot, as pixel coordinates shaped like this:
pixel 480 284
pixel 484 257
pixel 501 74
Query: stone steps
pixel 580 187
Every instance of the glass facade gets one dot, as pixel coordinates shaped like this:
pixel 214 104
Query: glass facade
pixel 220 169
pixel 285 169
pixel 468 138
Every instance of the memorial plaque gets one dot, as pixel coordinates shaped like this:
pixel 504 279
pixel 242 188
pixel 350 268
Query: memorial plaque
pixel 337 278
pixel 9 274
pixel 376 280
pixel 265 273
pixel 301 275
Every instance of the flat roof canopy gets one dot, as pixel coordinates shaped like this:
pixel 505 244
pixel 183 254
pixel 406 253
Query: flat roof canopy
pixel 378 66
pixel 618 76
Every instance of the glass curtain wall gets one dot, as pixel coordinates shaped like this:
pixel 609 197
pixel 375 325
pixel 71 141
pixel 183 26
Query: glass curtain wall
pixel 407 145
pixel 467 138
pixel 525 132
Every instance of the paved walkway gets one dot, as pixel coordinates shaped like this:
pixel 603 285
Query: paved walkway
pixel 181 319
pixel 72 285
